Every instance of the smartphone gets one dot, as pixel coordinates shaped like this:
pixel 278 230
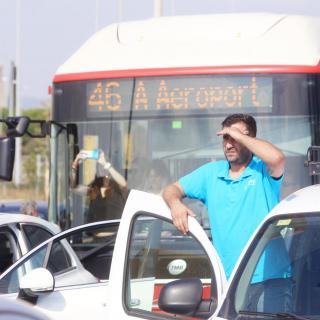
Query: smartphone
pixel 91 154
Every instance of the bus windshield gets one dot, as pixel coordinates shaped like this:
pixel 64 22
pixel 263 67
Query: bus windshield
pixel 154 130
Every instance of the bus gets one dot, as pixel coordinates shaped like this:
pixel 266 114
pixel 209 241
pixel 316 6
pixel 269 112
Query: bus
pixel 152 94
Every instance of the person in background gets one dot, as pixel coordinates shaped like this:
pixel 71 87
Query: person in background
pixel 157 177
pixel 107 193
pixel 30 208
pixel 106 199
pixel 238 191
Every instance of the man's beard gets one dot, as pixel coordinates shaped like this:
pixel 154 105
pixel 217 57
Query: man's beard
pixel 243 157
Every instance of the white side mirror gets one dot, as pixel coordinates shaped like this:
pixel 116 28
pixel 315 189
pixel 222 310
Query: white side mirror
pixel 37 281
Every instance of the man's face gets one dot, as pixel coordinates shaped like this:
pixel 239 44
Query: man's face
pixel 235 152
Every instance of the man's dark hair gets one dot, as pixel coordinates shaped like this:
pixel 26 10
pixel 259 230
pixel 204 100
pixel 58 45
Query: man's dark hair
pixel 248 120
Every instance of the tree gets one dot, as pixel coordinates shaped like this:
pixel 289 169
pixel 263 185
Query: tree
pixel 35 151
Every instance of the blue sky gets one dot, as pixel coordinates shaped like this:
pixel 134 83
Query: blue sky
pixel 51 30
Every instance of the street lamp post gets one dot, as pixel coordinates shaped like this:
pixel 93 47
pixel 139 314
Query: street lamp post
pixel 17 165
pixel 157 8
pixel 120 11
pixel 97 15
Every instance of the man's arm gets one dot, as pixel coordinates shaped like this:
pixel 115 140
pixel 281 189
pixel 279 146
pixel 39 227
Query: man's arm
pixel 173 195
pixel 267 152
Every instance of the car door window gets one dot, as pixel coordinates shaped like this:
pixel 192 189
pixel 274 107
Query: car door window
pixel 52 256
pixel 159 253
pixel 94 248
pixel 35 235
pixel 280 272
pixel 10 283
pixel 8 248
pixel 59 259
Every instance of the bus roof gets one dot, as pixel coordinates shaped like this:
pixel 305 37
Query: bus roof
pixel 221 43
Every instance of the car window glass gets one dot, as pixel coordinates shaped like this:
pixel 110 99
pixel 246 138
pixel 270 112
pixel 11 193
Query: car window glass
pixel 58 262
pixel 94 248
pixel 59 259
pixel 8 249
pixel 282 270
pixel 11 282
pixel 159 253
pixel 35 235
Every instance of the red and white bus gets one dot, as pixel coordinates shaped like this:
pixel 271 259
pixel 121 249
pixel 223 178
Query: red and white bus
pixel 152 94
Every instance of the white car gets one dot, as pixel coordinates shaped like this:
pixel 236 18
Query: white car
pixel 20 233
pixel 19 310
pixel 151 271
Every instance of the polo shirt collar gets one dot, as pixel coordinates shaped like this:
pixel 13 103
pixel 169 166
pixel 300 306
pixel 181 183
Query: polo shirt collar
pixel 224 173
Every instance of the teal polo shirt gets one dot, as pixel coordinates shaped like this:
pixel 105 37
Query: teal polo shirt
pixel 236 206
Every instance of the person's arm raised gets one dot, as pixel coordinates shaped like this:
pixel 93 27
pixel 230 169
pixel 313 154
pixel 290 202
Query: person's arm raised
pixel 173 195
pixel 266 151
pixel 74 170
pixel 116 175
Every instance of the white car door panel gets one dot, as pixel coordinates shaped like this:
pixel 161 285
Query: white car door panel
pixel 150 252
pixel 77 302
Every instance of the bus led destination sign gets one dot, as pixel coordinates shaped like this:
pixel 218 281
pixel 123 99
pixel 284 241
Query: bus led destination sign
pixel 192 93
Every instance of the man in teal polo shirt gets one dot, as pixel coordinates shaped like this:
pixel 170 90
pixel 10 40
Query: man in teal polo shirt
pixel 238 191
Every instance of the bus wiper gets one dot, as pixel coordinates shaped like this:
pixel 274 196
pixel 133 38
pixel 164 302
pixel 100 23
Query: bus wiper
pixel 281 315
pixel 290 315
pixel 187 151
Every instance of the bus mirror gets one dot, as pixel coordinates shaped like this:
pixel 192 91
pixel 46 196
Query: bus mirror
pixel 7 152
pixel 37 129
pixel 72 131
pixel 17 126
pixel 312 161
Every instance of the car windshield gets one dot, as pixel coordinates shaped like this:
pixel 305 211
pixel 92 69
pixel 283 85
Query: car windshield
pixel 280 273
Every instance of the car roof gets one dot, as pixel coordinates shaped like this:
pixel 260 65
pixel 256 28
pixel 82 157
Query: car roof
pixel 303 200
pixel 9 218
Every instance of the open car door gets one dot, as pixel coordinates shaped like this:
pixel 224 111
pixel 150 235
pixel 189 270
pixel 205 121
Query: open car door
pixel 151 257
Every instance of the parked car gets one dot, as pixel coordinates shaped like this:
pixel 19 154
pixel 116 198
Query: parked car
pixel 151 271
pixel 20 233
pixel 74 281
pixel 14 206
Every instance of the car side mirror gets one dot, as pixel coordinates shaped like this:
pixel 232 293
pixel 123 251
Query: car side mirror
pixel 184 297
pixel 7 152
pixel 36 282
